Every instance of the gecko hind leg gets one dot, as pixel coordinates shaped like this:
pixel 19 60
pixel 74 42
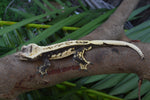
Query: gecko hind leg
pixel 43 69
pixel 79 58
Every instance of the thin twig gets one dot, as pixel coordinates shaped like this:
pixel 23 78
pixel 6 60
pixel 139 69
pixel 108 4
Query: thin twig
pixel 7 8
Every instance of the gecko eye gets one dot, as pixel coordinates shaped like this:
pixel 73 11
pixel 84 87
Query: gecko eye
pixel 31 48
pixel 23 49
pixel 26 49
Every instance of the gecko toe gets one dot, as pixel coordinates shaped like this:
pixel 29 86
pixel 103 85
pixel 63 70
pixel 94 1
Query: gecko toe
pixel 91 63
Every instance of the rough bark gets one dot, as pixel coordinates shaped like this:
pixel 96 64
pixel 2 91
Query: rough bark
pixel 18 76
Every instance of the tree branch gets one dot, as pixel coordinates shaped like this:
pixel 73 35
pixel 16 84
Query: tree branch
pixel 106 60
pixel 112 29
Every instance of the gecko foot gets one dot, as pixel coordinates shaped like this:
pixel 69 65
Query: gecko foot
pixel 42 70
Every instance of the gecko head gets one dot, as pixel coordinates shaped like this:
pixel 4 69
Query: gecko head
pixel 29 52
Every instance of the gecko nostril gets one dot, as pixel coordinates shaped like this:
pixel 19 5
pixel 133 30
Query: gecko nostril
pixel 23 50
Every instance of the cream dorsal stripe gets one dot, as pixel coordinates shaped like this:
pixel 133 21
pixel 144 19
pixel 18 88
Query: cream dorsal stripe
pixel 38 50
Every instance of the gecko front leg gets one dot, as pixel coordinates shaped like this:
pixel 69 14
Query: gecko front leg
pixel 43 69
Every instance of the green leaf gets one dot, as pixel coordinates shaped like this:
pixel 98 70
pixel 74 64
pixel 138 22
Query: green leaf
pixel 4 50
pixel 91 93
pixel 63 15
pixel 48 32
pixel 7 40
pixel 145 38
pixel 91 16
pixel 49 5
pixel 137 11
pixel 82 5
pixel 85 96
pixel 74 97
pixel 138 28
pixel 91 79
pixel 125 87
pixel 41 5
pixel 24 22
pixel 60 2
pixel 139 34
pixel 126 79
pixel 134 93
pixel 24 14
pixel 147 96
pixel 68 3
pixel 88 27
pixel 51 30
pixel 1 42
pixel 109 81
